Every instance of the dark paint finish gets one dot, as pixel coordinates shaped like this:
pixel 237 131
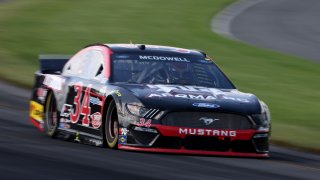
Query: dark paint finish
pixel 165 97
pixel 83 94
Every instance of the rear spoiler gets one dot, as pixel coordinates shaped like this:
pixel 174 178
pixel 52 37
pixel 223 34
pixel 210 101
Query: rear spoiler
pixel 53 63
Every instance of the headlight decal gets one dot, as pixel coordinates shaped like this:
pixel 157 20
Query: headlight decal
pixel 263 119
pixel 143 111
pixel 137 110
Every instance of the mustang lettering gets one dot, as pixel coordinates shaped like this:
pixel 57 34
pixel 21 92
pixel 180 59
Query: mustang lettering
pixel 207 132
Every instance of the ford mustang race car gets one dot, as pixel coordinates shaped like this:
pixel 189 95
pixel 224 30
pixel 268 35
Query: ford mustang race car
pixel 147 98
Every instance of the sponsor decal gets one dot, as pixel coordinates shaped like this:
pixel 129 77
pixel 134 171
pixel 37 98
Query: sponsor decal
pixel 164 58
pixel 42 93
pixel 144 123
pixel 207 121
pixel 187 96
pixel 123 131
pixel 145 129
pixel 96 120
pixel 117 93
pixel 54 82
pixel 95 101
pixel 122 139
pixel 65 120
pixel 65 111
pixel 191 92
pixel 172 88
pixel 77 137
pixel 206 105
pixel 36 111
pixel 63 125
pixel 207 132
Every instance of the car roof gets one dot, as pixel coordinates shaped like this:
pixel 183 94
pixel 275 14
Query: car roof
pixel 146 48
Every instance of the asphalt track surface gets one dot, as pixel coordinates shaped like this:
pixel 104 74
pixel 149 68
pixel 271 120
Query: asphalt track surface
pixel 26 153
pixel 290 26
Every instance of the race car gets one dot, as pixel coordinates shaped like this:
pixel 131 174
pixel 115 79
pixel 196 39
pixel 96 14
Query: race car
pixel 148 98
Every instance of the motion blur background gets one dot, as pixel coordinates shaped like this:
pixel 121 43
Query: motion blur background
pixel 285 76
pixel 288 84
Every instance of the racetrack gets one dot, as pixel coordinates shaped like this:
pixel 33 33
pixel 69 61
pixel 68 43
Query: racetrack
pixel 290 26
pixel 26 153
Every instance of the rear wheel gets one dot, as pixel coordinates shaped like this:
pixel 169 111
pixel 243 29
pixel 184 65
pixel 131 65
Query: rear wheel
pixel 111 126
pixel 51 116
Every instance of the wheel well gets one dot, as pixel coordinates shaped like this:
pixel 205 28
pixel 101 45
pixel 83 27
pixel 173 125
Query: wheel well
pixel 107 103
pixel 105 109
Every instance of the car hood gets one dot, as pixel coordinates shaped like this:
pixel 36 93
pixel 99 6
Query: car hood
pixel 194 98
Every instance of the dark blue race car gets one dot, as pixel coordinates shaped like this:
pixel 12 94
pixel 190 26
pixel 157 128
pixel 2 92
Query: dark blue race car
pixel 148 98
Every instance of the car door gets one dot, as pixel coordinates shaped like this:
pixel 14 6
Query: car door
pixel 82 110
pixel 95 99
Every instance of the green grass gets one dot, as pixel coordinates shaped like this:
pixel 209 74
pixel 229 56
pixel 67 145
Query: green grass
pixel 289 85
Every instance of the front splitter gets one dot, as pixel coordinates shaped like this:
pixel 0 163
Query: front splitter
pixel 193 152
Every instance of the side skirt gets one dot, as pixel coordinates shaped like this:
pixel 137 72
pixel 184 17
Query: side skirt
pixel 80 137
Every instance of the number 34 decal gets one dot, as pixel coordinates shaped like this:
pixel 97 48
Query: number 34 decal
pixel 83 108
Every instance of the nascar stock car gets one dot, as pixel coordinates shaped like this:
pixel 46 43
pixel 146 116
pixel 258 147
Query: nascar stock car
pixel 147 98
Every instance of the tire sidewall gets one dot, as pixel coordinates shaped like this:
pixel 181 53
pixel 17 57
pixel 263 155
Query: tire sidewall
pixel 113 144
pixel 52 132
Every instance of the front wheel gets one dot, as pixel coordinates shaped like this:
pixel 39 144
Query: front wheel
pixel 111 126
pixel 51 116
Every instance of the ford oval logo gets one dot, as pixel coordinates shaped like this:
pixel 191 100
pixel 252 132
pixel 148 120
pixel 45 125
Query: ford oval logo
pixel 206 105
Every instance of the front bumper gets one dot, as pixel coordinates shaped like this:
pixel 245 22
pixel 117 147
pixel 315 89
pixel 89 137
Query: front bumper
pixel 193 152
pixel 169 139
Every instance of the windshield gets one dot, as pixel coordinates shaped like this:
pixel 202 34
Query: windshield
pixel 168 70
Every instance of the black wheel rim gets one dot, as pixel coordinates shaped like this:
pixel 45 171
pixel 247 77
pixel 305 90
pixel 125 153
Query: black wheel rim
pixel 52 114
pixel 111 127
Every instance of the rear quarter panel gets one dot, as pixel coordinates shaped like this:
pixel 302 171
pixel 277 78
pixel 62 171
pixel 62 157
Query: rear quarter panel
pixel 44 83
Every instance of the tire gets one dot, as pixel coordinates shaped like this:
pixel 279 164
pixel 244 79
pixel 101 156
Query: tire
pixel 111 126
pixel 51 116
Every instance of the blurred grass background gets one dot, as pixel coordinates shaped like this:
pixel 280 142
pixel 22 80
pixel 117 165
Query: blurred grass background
pixel 289 85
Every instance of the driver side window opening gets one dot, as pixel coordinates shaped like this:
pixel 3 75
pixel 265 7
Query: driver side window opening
pixel 87 65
